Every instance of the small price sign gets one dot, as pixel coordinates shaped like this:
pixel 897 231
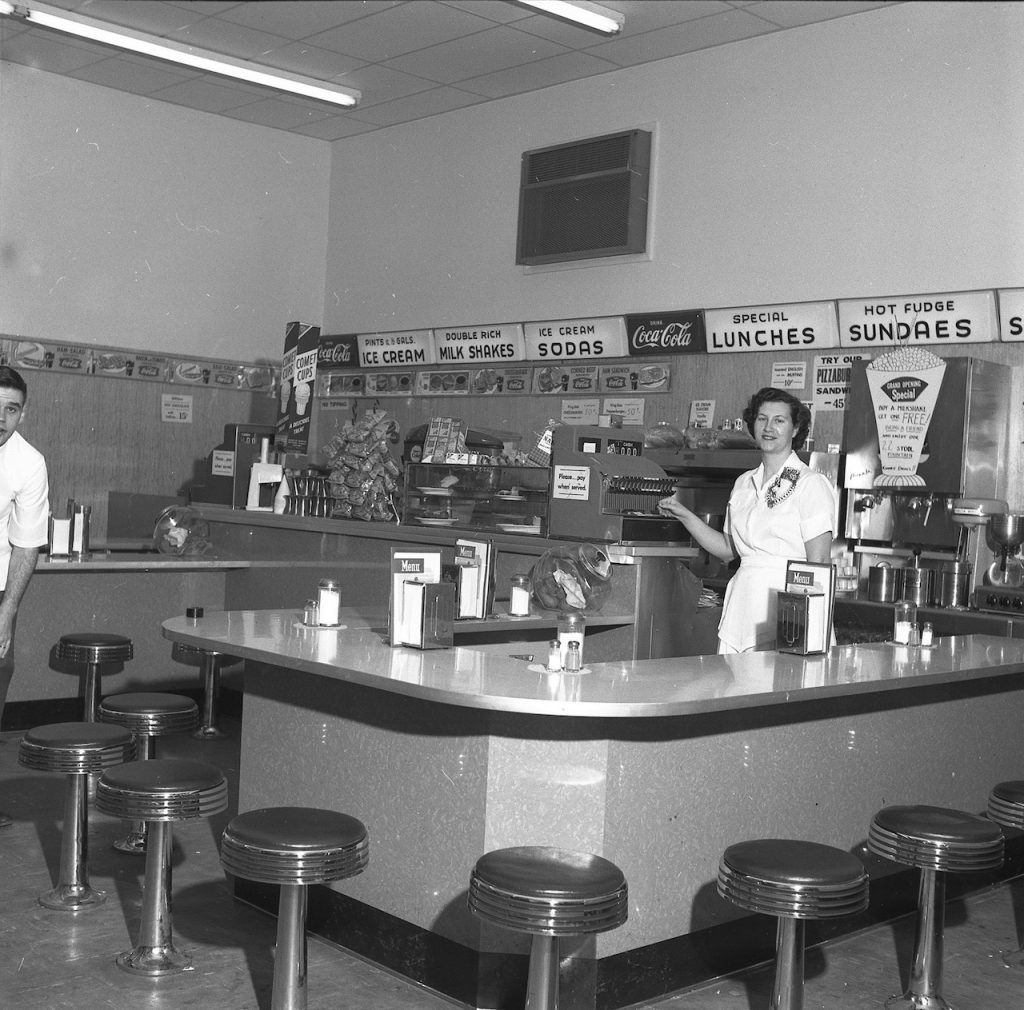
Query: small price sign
pixel 176 408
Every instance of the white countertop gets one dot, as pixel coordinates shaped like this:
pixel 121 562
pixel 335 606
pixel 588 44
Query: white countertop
pixel 498 678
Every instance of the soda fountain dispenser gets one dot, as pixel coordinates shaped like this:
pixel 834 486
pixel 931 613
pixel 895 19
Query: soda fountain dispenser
pixel 922 432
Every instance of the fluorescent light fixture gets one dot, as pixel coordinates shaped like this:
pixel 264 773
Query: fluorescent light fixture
pixel 109 34
pixel 590 15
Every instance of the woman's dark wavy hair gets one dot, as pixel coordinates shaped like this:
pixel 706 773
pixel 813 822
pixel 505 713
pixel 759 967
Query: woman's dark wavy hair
pixel 799 412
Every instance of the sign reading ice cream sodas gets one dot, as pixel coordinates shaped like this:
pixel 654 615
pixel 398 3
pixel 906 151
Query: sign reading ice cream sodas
pixel 904 387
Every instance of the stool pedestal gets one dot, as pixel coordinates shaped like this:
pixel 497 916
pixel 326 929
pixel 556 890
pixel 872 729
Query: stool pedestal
pixel 77 749
pixel 1006 807
pixel 547 893
pixel 209 664
pixel 159 792
pixel 293 847
pixel 90 651
pixel 792 880
pixel 936 840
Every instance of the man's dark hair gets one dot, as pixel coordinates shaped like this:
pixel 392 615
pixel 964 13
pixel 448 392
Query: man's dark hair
pixel 10 379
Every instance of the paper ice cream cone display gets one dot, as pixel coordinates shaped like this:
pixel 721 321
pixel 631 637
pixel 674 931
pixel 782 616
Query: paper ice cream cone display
pixel 904 387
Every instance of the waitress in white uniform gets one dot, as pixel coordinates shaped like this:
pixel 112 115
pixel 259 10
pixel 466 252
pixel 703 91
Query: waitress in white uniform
pixel 779 511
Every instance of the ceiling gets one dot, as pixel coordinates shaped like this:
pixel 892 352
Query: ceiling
pixel 411 59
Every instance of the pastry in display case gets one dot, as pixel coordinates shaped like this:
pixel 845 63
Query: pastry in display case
pixel 507 499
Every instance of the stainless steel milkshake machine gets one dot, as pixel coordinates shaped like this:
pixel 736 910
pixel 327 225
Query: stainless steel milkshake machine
pixel 889 520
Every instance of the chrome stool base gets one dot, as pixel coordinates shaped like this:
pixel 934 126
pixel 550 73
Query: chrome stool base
pixel 72 897
pixel 936 840
pixel 75 749
pixel 154 961
pixel 134 843
pixel 293 847
pixel 159 792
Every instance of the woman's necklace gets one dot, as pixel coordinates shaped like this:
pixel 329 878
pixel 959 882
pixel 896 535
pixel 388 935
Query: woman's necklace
pixel 788 474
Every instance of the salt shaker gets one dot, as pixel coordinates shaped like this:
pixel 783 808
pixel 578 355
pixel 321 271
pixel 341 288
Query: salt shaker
pixel 554 656
pixel 570 629
pixel 519 596
pixel 329 602
pixel 573 662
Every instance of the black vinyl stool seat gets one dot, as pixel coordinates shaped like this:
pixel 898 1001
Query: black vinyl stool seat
pixel 147 714
pixel 792 880
pixel 1006 804
pixel 90 651
pixel 159 792
pixel 209 664
pixel 937 840
pixel 293 847
pixel 547 893
pixel 1006 807
pixel 75 749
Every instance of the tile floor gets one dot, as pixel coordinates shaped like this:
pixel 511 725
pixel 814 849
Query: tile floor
pixel 60 961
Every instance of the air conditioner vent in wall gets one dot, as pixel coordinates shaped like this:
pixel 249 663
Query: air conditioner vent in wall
pixel 584 200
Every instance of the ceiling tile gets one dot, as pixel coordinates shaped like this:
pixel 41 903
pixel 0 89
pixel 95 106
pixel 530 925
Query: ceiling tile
pixel 310 60
pixel 275 112
pixel 427 103
pixel 542 74
pixel 496 49
pixel 334 128
pixel 382 84
pixel 704 33
pixel 395 53
pixel 411 26
pixel 300 20
pixel 206 95
pixel 141 77
pixel 158 18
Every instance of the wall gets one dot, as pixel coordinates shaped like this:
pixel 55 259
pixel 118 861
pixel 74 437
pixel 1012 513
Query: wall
pixel 875 154
pixel 143 225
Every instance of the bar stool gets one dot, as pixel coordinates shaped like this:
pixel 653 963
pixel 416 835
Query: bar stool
pixel 937 841
pixel 1006 807
pixel 91 651
pixel 547 893
pixel 147 715
pixel 794 881
pixel 293 847
pixel 159 792
pixel 209 664
pixel 75 749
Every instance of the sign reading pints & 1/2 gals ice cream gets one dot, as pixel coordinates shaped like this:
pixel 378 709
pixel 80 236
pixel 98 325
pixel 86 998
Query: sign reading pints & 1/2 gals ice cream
pixel 904 386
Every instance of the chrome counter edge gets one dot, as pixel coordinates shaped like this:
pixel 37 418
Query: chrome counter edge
pixel 497 677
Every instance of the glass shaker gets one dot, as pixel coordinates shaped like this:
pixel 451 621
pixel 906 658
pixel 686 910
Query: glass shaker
pixel 570 629
pixel 519 596
pixel 329 602
pixel 904 618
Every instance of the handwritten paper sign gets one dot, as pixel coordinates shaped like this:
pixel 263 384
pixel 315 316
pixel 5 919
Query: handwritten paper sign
pixel 571 483
pixel 176 408
pixel 789 374
pixel 831 381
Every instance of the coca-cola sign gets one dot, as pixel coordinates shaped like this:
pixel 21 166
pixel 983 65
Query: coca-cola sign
pixel 337 352
pixel 666 333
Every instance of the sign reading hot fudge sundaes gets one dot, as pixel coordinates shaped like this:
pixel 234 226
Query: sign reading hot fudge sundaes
pixel 959 317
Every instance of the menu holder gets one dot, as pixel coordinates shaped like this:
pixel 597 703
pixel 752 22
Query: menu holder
pixel 474 560
pixel 410 568
pixel 805 608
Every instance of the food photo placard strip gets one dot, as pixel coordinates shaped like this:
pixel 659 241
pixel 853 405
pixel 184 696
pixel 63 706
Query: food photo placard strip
pixel 119 363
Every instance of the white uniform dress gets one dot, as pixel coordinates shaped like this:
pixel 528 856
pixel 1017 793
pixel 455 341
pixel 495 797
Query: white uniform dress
pixel 768 526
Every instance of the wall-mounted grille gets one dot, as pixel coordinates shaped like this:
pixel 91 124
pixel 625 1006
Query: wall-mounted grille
pixel 584 200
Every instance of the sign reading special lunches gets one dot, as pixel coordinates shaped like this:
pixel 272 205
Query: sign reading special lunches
pixel 802 326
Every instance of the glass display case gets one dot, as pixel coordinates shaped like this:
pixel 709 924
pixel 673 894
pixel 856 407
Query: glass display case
pixel 508 499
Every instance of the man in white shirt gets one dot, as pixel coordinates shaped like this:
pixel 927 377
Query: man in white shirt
pixel 24 515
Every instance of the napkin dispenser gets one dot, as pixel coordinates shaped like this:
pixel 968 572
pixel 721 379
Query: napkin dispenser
pixel 428 615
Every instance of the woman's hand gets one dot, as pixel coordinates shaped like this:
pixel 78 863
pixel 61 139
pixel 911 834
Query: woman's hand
pixel 713 541
pixel 671 506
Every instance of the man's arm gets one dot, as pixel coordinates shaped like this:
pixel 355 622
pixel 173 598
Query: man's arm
pixel 23 564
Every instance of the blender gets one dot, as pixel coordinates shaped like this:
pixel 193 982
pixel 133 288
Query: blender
pixel 1004 535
